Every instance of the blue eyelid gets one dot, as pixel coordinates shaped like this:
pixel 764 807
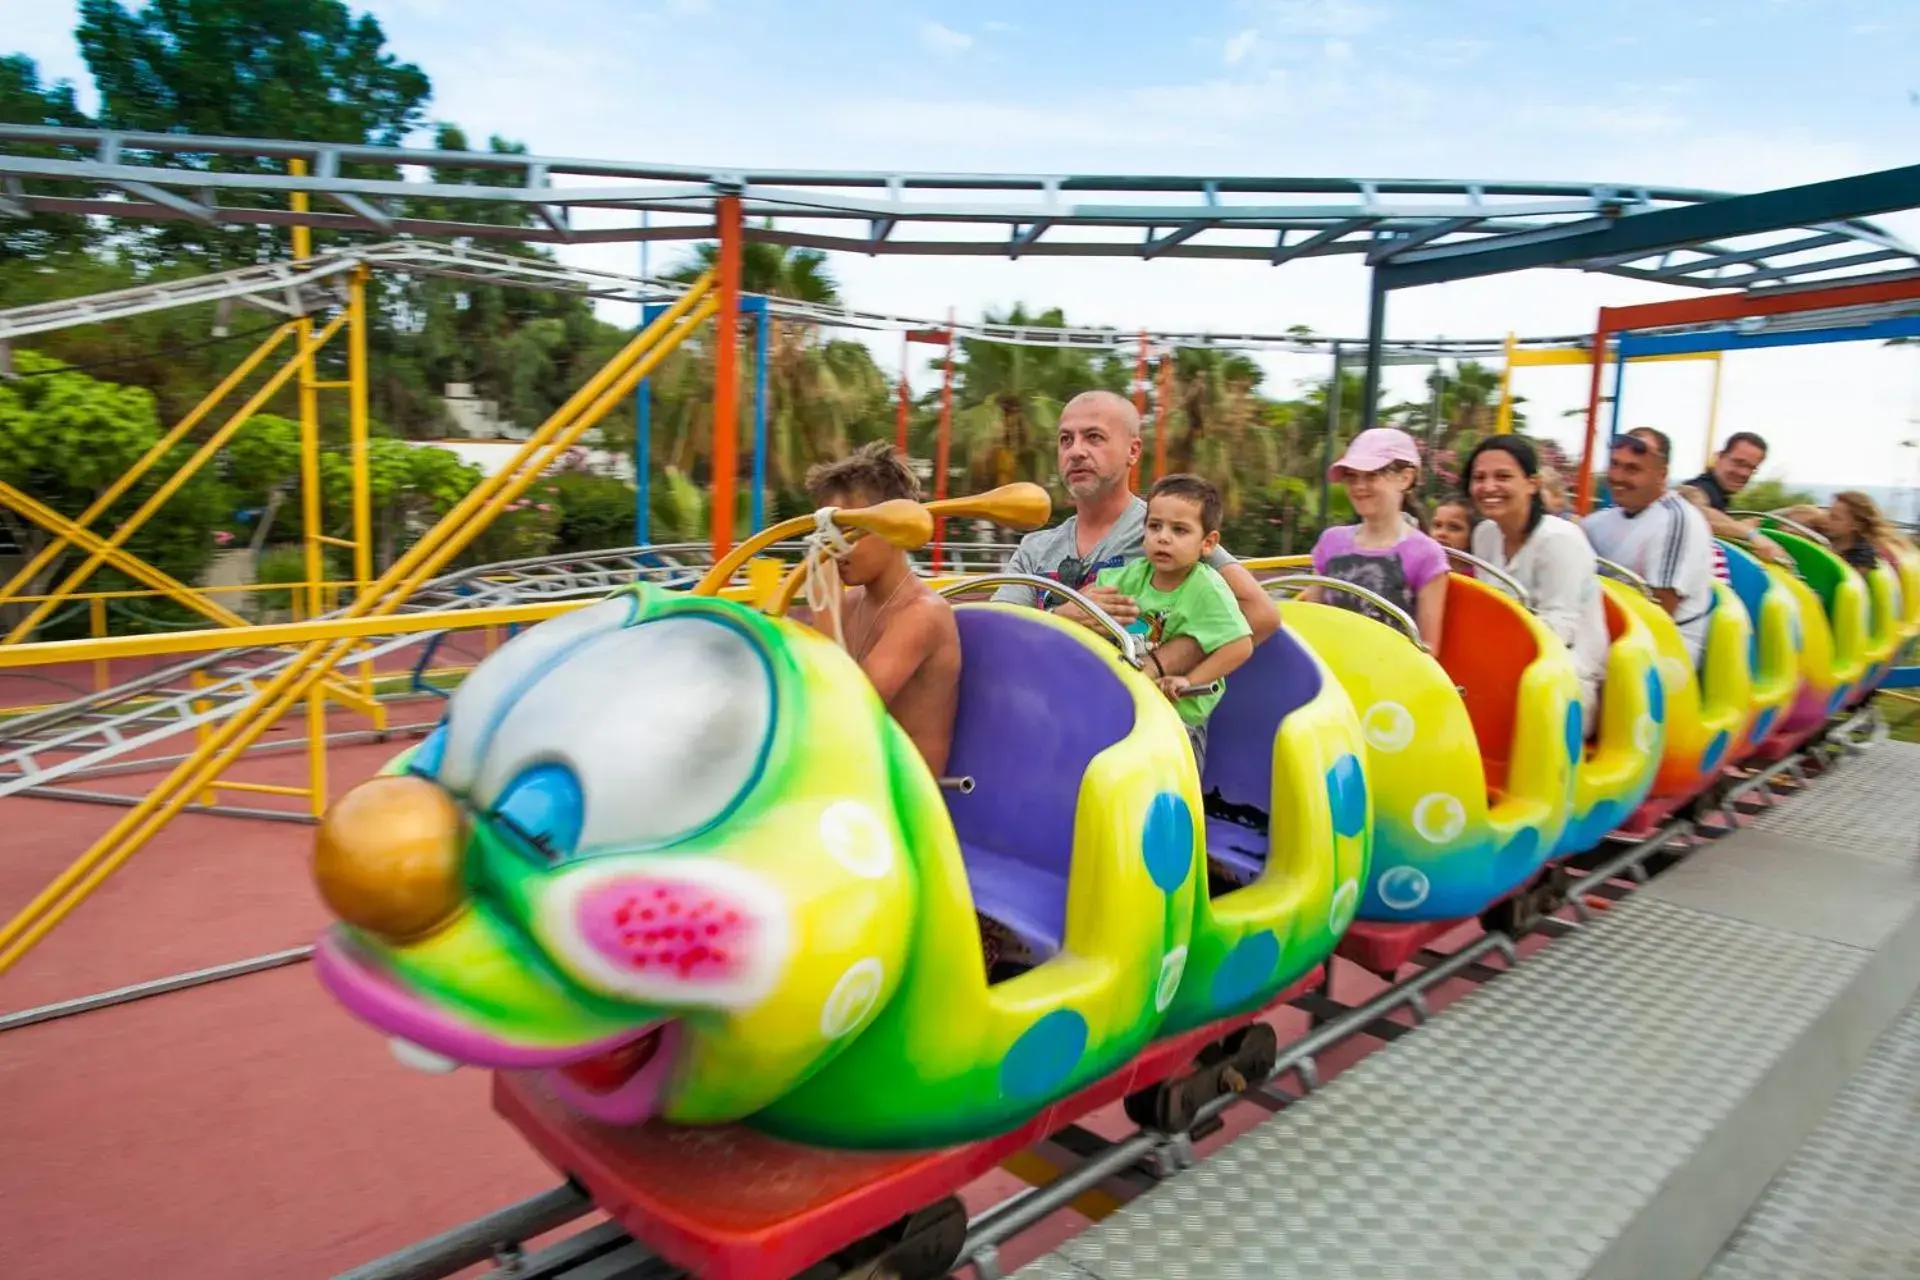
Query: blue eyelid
pixel 545 805
pixel 426 760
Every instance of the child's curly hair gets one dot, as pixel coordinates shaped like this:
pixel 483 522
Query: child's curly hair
pixel 874 473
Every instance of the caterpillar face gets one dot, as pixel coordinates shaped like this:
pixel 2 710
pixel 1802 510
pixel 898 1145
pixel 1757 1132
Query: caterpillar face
pixel 651 851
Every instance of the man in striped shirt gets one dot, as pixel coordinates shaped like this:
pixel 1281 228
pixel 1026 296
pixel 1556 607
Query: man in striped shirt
pixel 1656 533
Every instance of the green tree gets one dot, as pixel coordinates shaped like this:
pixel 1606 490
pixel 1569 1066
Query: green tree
pixel 307 69
pixel 1770 494
pixel 64 437
pixel 25 100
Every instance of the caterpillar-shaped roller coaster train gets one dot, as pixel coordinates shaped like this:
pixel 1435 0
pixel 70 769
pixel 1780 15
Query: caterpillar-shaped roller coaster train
pixel 669 868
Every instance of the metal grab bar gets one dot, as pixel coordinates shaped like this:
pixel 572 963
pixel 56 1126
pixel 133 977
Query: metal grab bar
pixel 1396 616
pixel 1792 526
pixel 1505 579
pixel 1121 637
pixel 1626 575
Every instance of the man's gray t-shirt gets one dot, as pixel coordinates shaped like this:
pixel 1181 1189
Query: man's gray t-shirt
pixel 1054 553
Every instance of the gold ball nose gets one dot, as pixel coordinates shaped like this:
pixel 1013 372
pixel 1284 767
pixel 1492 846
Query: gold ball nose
pixel 387 858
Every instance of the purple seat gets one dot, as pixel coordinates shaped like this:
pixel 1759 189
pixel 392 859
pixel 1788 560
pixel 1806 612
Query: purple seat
pixel 1035 708
pixel 1277 680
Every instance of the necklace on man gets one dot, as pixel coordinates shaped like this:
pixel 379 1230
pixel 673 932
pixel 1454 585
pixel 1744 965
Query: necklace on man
pixel 866 636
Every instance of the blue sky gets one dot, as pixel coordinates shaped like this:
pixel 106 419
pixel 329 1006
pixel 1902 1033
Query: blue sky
pixel 1725 94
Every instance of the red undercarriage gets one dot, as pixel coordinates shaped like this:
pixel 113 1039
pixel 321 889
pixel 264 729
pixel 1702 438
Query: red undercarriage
pixel 731 1204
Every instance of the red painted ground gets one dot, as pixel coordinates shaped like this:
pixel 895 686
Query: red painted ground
pixel 250 1128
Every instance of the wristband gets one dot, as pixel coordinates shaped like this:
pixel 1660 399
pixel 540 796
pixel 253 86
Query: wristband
pixel 1159 672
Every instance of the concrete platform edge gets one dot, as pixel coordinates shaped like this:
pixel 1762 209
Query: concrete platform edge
pixel 1679 1234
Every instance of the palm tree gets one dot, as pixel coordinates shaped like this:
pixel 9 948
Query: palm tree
pixel 1007 399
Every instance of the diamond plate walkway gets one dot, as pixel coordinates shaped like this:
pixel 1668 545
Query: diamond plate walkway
pixel 1848 1206
pixel 1613 1108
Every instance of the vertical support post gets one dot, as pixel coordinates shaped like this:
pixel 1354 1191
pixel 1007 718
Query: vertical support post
pixel 363 575
pixel 1376 338
pixel 1435 408
pixel 1619 390
pixel 642 413
pixel 1163 415
pixel 97 628
pixel 310 510
pixel 726 374
pixel 1583 490
pixel 1333 430
pixel 1140 405
pixel 643 442
pixel 1713 413
pixel 763 321
pixel 944 442
pixel 900 416
pixel 1503 413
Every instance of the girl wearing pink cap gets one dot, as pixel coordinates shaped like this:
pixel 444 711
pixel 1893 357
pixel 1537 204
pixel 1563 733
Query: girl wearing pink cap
pixel 1384 552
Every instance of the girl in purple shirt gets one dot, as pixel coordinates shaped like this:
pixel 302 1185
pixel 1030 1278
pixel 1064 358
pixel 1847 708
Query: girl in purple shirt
pixel 1384 552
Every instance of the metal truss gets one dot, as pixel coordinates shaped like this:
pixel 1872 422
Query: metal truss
pixel 313 285
pixel 1272 220
pixel 78 737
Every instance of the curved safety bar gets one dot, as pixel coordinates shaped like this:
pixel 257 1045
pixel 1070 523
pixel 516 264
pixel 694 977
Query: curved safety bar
pixel 1792 526
pixel 1395 614
pixel 1121 637
pixel 1501 576
pixel 1621 573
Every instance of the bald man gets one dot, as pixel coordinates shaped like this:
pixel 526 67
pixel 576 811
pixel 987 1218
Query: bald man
pixel 1099 440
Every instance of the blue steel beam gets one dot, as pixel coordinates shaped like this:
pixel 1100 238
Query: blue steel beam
pixel 1671 344
pixel 1838 200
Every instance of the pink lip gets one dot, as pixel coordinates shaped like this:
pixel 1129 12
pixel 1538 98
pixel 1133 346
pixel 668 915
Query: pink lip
pixel 634 1101
pixel 371 994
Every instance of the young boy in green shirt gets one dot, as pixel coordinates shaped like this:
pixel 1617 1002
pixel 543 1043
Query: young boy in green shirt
pixel 1180 596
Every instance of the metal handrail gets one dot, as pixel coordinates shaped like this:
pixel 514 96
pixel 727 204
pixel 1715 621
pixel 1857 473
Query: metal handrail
pixel 1626 575
pixel 1396 616
pixel 1793 526
pixel 1128 646
pixel 1505 579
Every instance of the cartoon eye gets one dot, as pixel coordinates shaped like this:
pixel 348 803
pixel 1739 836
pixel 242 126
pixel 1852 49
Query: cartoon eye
pixel 542 809
pixel 426 759
pixel 660 728
pixel 490 693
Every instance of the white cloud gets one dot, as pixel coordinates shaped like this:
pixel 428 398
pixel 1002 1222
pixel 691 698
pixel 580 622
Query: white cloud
pixel 944 39
pixel 1454 52
pixel 1239 45
pixel 1342 18
pixel 998 27
pixel 1339 52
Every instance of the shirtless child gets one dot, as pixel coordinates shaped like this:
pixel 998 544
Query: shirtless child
pixel 897 628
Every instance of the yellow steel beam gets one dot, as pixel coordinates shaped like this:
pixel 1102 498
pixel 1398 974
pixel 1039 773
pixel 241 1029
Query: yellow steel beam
pixel 446 539
pixel 115 491
pixel 48 652
pixel 1037 1171
pixel 52 521
pixel 1525 358
pixel 159 497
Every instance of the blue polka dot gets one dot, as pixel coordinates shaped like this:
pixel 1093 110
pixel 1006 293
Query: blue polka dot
pixel 1523 849
pixel 1799 636
pixel 1167 842
pixel 1710 759
pixel 1245 972
pixel 1347 790
pixel 1576 736
pixel 1839 696
pixel 1656 695
pixel 1044 1056
pixel 1762 723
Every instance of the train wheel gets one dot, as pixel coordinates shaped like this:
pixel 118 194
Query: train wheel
pixel 1229 1065
pixel 921 1246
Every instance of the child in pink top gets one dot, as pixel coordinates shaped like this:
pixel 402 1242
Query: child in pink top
pixel 1383 553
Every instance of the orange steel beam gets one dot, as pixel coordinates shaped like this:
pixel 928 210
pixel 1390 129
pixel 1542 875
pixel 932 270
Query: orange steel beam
pixel 1139 400
pixel 1163 415
pixel 1719 309
pixel 726 373
pixel 943 444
